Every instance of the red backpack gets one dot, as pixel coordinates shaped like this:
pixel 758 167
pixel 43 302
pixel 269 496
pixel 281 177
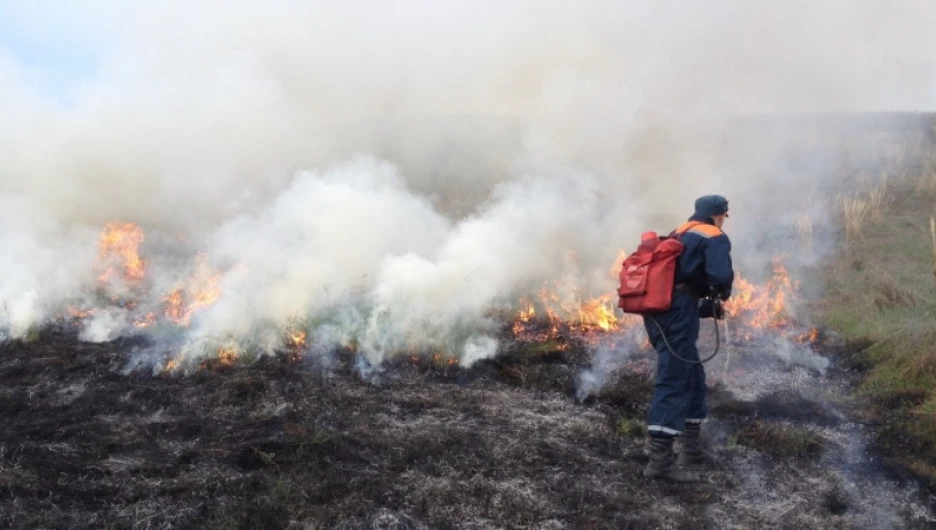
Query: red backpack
pixel 649 274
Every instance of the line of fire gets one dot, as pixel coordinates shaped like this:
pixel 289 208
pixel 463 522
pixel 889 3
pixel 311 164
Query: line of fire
pixel 754 310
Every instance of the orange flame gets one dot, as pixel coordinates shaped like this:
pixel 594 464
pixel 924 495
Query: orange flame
pixel 766 306
pixel 227 355
pixel 527 313
pixel 295 341
pixel 297 338
pixel 572 311
pixel 751 307
pixel 175 307
pixel 80 313
pixel 119 245
pixel 597 314
pixel 145 321
pixel 615 271
pixel 587 316
pixel 171 365
pixel 809 336
pixel 203 290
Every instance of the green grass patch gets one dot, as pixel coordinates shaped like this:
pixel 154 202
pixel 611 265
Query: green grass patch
pixel 631 428
pixel 881 294
pixel 903 367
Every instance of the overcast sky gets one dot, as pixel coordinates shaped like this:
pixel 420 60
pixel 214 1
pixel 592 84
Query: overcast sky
pixel 770 56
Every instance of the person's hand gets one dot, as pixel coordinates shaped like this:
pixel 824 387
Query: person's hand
pixel 711 308
pixel 706 308
pixel 718 312
pixel 719 294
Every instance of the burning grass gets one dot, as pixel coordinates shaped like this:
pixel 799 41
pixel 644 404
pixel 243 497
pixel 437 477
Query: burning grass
pixel 269 441
pixel 127 301
pixel 119 252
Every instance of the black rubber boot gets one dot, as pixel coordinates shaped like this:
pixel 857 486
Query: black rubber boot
pixel 663 462
pixel 691 454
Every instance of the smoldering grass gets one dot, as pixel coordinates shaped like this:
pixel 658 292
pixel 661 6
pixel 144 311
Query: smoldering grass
pixel 607 358
pixel 604 361
pixel 368 371
pixel 781 440
pixel 315 336
pixel 434 452
pixel 32 335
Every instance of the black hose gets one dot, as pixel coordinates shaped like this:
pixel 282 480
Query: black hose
pixel 674 354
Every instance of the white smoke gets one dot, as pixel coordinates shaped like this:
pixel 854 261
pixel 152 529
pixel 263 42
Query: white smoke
pixel 321 237
pixel 422 280
pixel 391 176
pixel 41 260
pixel 104 326
pixel 606 359
pixel 792 353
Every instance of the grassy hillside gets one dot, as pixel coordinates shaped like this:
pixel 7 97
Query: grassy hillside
pixel 881 298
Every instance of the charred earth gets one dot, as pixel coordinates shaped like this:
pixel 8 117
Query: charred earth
pixel 288 442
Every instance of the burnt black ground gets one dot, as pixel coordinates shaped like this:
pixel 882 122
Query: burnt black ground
pixel 282 443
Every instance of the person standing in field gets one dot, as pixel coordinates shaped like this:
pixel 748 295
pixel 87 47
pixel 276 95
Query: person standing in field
pixel 679 407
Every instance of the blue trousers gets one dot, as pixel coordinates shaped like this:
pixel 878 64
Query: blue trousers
pixel 679 391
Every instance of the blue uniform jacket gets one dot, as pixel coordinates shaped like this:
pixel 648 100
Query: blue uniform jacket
pixel 706 259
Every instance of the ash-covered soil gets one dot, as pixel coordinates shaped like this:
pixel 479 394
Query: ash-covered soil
pixel 284 443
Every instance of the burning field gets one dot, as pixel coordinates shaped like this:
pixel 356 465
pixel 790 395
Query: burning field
pixel 547 433
pixel 125 302
pixel 312 265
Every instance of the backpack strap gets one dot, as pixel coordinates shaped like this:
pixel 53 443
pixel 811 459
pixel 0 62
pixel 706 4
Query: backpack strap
pixel 704 229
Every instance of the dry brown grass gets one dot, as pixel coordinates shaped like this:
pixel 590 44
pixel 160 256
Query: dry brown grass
pixel 803 229
pixel 922 365
pixel 855 211
pixel 926 176
pixel 887 292
pixel 859 208
pixel 933 241
pixel 926 183
pixel 879 201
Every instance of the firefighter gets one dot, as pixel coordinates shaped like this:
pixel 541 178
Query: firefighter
pixel 679 407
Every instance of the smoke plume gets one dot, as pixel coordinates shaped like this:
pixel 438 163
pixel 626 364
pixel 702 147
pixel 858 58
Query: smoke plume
pixel 392 175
